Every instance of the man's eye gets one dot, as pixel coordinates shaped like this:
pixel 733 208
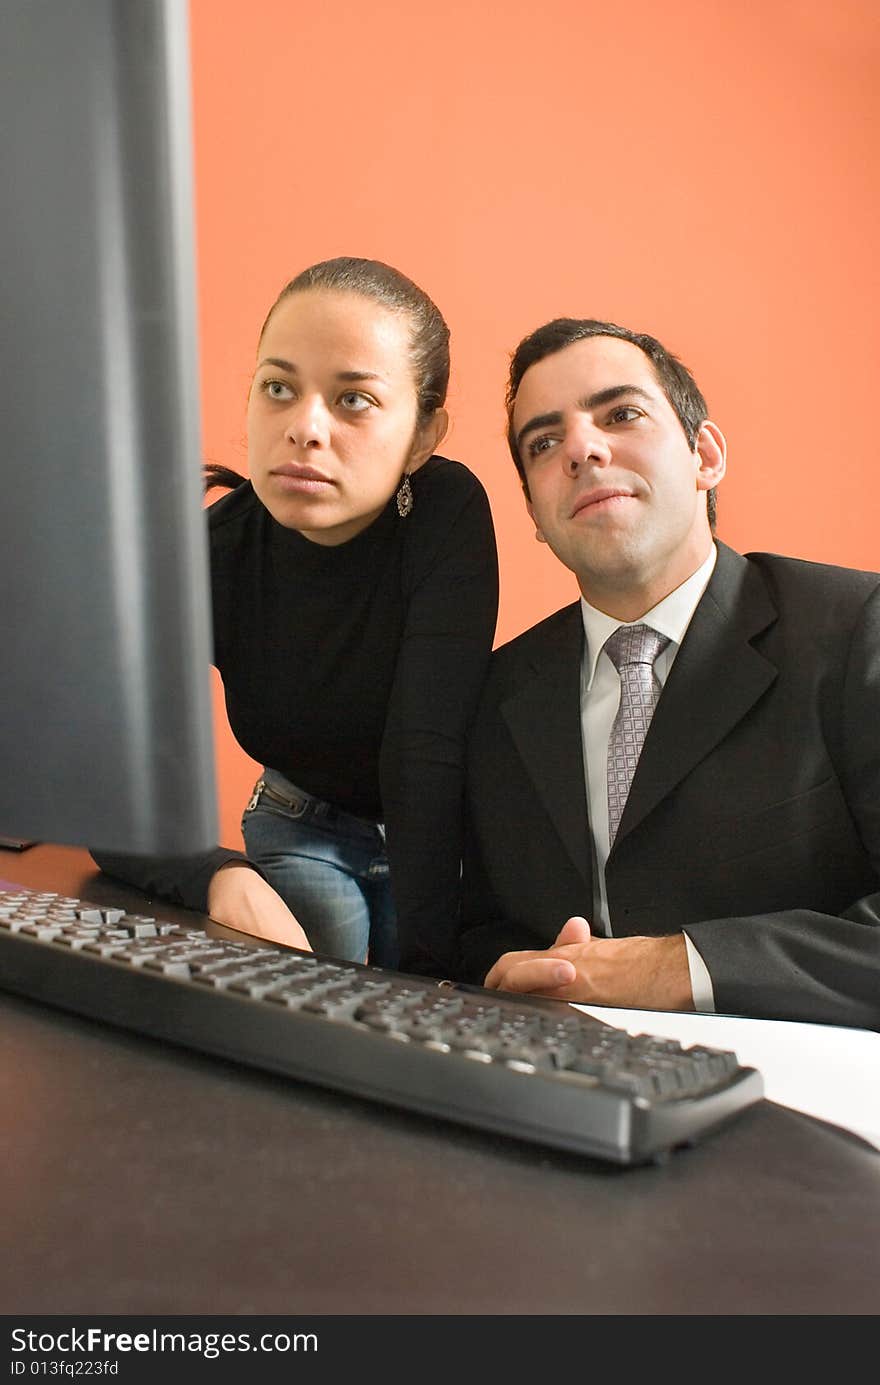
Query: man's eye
pixel 539 445
pixel 354 401
pixel 276 389
pixel 625 413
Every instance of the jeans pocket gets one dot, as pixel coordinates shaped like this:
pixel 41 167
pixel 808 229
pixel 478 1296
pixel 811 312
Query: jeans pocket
pixel 267 802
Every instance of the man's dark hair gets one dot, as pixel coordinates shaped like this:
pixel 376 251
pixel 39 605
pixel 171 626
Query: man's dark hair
pixel 674 378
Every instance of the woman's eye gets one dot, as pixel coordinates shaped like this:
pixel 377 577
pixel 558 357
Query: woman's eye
pixel 276 389
pixel 354 401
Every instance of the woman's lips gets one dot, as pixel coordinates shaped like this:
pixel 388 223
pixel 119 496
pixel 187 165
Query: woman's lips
pixel 305 480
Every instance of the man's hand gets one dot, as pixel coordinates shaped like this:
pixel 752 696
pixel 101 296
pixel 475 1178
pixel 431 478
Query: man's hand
pixel 638 973
pixel 240 898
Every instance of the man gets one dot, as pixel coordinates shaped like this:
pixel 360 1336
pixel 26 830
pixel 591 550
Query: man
pixel 728 857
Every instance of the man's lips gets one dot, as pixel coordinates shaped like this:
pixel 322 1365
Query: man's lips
pixel 589 499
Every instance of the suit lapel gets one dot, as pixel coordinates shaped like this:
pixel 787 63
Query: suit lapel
pixel 716 678
pixel 544 718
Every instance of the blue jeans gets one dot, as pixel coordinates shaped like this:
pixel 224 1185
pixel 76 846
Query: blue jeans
pixel 329 867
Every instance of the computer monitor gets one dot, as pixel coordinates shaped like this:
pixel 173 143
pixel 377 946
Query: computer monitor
pixel 105 713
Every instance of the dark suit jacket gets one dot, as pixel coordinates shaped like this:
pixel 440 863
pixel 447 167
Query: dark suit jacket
pixel 753 821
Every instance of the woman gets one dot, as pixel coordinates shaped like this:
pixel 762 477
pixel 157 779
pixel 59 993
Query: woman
pixel 354 583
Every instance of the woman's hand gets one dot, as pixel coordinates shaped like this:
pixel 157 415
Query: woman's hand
pixel 241 899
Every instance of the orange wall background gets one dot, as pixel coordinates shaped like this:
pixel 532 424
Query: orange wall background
pixel 703 171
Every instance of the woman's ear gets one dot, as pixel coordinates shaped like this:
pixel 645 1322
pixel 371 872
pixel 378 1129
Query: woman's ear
pixel 428 439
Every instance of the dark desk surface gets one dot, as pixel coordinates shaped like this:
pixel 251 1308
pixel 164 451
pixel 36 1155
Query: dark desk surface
pixel 143 1178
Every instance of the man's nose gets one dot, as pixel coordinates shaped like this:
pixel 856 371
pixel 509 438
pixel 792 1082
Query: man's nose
pixel 307 423
pixel 585 445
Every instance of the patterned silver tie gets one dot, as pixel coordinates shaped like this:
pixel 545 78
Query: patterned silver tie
pixel 632 650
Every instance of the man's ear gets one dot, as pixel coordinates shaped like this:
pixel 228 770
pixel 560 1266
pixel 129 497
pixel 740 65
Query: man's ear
pixel 428 439
pixel 711 450
pixel 538 535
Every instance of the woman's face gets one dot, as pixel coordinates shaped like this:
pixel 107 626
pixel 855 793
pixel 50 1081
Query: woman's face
pixel 332 414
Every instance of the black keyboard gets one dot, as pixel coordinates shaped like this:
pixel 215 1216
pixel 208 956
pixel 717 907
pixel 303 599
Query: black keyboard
pixel 529 1068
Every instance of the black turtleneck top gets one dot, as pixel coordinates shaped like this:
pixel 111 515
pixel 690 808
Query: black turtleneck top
pixel 354 670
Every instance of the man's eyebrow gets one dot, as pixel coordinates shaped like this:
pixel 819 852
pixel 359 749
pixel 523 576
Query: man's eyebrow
pixel 608 396
pixel 539 421
pixel 346 375
pixel 591 401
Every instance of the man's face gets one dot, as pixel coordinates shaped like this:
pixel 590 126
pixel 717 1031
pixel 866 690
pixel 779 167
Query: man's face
pixel 614 488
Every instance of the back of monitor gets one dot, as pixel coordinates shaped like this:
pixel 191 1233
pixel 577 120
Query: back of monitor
pixel 105 717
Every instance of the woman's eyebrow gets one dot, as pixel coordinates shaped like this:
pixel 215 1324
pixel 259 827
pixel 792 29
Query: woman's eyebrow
pixel 278 363
pixel 348 376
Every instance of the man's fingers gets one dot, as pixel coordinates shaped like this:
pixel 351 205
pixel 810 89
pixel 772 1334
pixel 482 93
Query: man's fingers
pixel 539 974
pixel 574 930
pixel 509 959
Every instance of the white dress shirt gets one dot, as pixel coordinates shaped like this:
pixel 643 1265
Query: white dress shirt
pixel 600 697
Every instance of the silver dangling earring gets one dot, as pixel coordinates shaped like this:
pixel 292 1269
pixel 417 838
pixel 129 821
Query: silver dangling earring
pixel 404 497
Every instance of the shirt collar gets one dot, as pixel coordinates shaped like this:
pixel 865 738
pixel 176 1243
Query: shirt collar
pixel 670 617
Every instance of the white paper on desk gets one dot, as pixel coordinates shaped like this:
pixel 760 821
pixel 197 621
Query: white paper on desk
pixel 823 1070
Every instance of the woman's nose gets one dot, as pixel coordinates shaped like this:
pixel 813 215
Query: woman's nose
pixel 307 423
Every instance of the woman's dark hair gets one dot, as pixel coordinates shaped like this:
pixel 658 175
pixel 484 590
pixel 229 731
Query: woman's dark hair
pixel 213 474
pixel 674 378
pixel 429 334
